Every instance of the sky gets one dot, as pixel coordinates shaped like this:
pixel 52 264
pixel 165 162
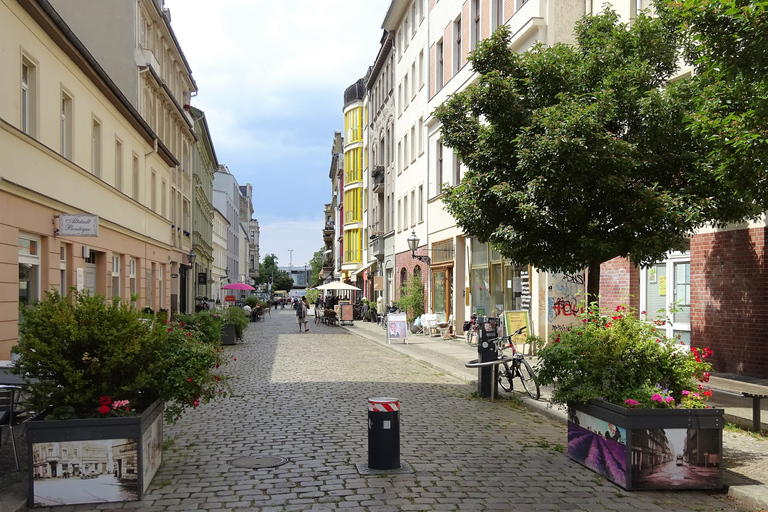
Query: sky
pixel 271 77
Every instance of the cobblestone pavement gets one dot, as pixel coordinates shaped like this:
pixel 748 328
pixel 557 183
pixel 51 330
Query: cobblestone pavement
pixel 303 396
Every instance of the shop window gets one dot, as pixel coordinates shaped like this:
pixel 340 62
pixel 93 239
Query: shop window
pixel 29 269
pixel 116 277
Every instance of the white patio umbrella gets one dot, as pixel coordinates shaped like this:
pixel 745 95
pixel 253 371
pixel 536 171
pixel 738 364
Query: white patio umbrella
pixel 337 285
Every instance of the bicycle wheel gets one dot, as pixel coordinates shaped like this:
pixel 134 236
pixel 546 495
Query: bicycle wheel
pixel 528 378
pixel 505 376
pixel 472 337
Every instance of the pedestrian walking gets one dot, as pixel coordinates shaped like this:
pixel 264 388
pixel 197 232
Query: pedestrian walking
pixel 301 313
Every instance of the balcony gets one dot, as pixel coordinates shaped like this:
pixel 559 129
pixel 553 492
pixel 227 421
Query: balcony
pixel 329 231
pixel 377 179
pixel 377 247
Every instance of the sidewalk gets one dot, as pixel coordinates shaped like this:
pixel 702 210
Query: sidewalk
pixel 745 458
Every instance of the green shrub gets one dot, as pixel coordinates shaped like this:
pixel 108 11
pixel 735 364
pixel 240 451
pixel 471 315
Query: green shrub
pixel 237 317
pixel 412 298
pixel 623 360
pixel 82 355
pixel 208 324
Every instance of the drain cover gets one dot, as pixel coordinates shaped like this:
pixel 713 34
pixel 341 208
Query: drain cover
pixel 259 462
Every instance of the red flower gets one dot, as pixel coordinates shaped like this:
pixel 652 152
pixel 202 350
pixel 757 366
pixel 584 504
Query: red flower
pixel 234 359
pixel 105 400
pixel 189 379
pixel 706 376
pixel 707 393
pixel 169 329
pixel 104 409
pixel 607 325
pixel 189 334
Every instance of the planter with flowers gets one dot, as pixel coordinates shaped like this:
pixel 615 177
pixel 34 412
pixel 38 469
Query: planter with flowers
pixel 636 402
pixel 100 378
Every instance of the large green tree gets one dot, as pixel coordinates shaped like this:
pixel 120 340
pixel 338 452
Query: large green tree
pixel 577 154
pixel 727 41
pixel 269 273
pixel 317 265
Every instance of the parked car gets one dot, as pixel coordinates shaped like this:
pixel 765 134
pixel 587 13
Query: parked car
pixel 679 460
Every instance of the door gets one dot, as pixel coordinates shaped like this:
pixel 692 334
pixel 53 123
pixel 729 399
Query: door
pixel 665 294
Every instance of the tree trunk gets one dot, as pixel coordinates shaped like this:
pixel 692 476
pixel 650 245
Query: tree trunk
pixel 593 282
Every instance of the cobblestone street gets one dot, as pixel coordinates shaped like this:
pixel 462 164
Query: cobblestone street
pixel 303 396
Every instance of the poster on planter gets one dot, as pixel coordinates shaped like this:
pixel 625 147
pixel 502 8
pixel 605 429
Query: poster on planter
pixel 75 472
pixel 675 457
pixel 152 450
pixel 599 445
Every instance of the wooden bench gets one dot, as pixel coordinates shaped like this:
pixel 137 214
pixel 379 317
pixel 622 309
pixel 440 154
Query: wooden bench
pixel 755 409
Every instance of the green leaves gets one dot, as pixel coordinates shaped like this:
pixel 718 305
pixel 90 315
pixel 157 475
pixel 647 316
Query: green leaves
pixel 576 154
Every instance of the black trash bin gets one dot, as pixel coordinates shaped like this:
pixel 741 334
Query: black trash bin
pixel 383 433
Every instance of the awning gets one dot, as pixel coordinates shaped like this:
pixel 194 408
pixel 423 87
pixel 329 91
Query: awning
pixel 354 274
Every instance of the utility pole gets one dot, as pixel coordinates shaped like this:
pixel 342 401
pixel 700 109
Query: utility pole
pixel 290 258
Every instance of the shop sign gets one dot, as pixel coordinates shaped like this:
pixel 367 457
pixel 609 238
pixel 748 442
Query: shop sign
pixel 78 225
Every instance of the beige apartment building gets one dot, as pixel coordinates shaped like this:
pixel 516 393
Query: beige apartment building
pixel 73 143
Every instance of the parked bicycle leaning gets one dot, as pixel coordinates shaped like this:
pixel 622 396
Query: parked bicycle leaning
pixel 517 366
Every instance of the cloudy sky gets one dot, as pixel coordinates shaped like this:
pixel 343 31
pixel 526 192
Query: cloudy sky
pixel 271 77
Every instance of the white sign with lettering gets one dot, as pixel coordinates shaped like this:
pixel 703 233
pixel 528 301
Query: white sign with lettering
pixel 78 225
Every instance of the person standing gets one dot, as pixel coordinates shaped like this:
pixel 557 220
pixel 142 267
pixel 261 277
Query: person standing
pixel 301 313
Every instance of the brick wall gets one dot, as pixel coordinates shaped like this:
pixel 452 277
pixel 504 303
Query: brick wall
pixel 485 19
pixel 466 23
pixel 728 300
pixel 447 52
pixel 405 261
pixel 619 285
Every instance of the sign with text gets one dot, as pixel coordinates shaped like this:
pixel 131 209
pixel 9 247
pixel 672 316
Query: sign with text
pixel 78 225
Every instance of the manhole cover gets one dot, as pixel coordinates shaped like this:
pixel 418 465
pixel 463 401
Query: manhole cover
pixel 259 462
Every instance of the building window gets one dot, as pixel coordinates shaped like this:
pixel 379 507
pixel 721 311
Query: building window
pixel 63 268
pixel 118 165
pixel 160 287
pixel 405 211
pixel 421 203
pixel 456 169
pixel 421 69
pixel 164 199
pixel 115 277
pixel 476 25
pixel 457 48
pixel 29 269
pixel 153 192
pixel 421 135
pixel 413 143
pixel 439 167
pixel 403 277
pixel 132 277
pixel 497 14
pixel 135 178
pixel 28 97
pixel 666 286
pixel 406 160
pixel 399 215
pixel 414 82
pixel 66 126
pixel 439 66
pixel 96 148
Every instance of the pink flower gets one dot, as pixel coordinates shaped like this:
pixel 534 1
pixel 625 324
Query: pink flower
pixel 657 398
pixel 670 400
pixel 686 392
pixel 632 403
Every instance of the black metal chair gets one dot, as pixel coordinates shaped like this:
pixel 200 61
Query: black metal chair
pixel 9 415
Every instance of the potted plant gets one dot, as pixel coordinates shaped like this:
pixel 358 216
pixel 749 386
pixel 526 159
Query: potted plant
pixel 636 402
pixel 235 322
pixel 100 376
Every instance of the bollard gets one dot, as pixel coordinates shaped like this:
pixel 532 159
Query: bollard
pixel 486 384
pixel 383 433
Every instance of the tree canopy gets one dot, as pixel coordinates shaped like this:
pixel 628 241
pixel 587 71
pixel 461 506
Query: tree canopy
pixel 577 154
pixel 727 42
pixel 269 273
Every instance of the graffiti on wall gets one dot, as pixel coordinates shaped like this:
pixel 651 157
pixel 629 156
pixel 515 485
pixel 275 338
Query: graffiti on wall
pixel 564 295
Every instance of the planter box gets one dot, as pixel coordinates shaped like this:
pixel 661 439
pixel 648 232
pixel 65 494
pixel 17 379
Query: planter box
pixel 228 335
pixel 96 460
pixel 648 448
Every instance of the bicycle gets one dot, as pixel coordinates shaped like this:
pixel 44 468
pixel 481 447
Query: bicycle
pixel 473 334
pixel 517 367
